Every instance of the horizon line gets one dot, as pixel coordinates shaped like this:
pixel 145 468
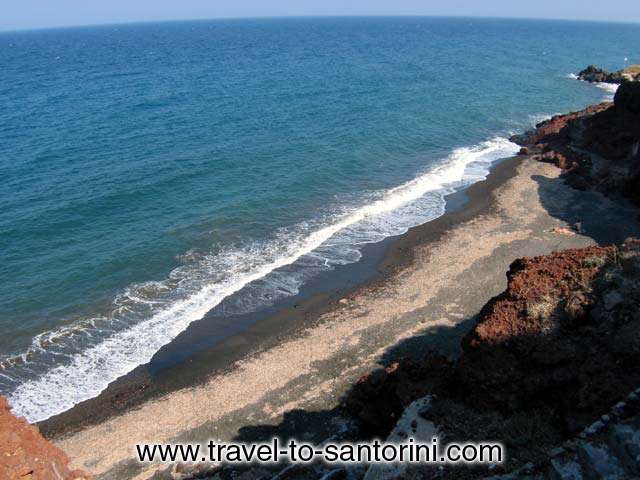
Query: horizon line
pixel 293 17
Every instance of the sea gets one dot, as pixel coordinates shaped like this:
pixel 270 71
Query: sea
pixel 152 172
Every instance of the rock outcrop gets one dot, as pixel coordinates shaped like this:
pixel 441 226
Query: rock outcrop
pixel 597 148
pixel 596 74
pixel 547 358
pixel 565 336
pixel 26 455
pixel 627 98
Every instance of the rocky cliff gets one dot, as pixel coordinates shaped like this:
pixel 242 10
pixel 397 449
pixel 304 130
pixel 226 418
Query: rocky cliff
pixel 547 357
pixel 597 148
pixel 26 455
pixel 564 336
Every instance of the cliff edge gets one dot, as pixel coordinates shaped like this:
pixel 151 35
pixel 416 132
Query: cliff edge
pixel 26 455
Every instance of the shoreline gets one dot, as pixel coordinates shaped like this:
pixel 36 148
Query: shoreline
pixel 294 385
pixel 171 369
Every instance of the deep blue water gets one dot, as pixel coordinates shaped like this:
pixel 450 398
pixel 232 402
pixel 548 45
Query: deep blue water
pixel 148 171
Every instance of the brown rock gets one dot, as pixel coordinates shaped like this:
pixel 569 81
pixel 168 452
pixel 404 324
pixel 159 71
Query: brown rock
pixel 555 338
pixel 525 151
pixel 25 453
pixel 610 131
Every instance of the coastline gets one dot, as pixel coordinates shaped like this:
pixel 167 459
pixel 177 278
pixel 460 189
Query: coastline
pixel 298 272
pixel 172 369
pixel 348 333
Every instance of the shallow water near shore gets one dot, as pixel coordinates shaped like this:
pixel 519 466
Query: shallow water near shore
pixel 154 171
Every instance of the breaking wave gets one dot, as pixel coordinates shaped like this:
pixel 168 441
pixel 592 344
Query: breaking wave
pixel 75 363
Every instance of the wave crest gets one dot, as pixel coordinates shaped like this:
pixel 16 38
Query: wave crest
pixel 72 364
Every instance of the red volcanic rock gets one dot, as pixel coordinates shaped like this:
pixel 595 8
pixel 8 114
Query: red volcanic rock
pixel 610 132
pixel 26 454
pixel 532 281
pixel 556 338
pixel 564 338
pixel 558 129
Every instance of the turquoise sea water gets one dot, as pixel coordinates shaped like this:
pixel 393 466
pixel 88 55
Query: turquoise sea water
pixel 149 171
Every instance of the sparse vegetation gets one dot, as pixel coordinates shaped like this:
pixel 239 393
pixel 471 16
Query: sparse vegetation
pixel 541 309
pixel 632 70
pixel 594 262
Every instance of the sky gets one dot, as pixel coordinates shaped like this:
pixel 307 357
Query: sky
pixel 29 14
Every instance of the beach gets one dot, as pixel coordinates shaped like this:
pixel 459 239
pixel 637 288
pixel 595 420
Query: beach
pixel 431 284
pixel 174 216
pixel 322 229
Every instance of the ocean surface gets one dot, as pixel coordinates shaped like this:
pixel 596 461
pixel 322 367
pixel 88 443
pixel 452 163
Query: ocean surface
pixel 150 171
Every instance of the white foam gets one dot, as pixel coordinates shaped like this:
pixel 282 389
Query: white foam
pixel 539 118
pixel 610 88
pixel 162 310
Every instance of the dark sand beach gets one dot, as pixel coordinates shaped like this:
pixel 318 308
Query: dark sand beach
pixel 424 290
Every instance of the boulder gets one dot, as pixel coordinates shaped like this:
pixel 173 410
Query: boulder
pixel 627 98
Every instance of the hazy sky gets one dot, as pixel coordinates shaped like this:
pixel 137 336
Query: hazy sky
pixel 21 14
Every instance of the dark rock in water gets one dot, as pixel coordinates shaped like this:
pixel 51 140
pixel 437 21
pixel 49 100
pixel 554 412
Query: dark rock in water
pixel 598 75
pixel 628 98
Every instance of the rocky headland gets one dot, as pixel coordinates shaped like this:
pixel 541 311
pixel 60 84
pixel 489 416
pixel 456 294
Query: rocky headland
pixel 596 148
pixel 594 74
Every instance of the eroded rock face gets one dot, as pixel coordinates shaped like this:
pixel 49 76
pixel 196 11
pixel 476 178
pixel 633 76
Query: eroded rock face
pixel 627 98
pixel 597 148
pixel 563 339
pixel 564 335
pixel 26 454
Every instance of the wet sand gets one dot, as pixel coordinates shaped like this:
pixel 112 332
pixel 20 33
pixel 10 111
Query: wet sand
pixel 431 282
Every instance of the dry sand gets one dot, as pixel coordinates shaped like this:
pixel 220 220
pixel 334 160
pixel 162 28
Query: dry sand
pixel 428 301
